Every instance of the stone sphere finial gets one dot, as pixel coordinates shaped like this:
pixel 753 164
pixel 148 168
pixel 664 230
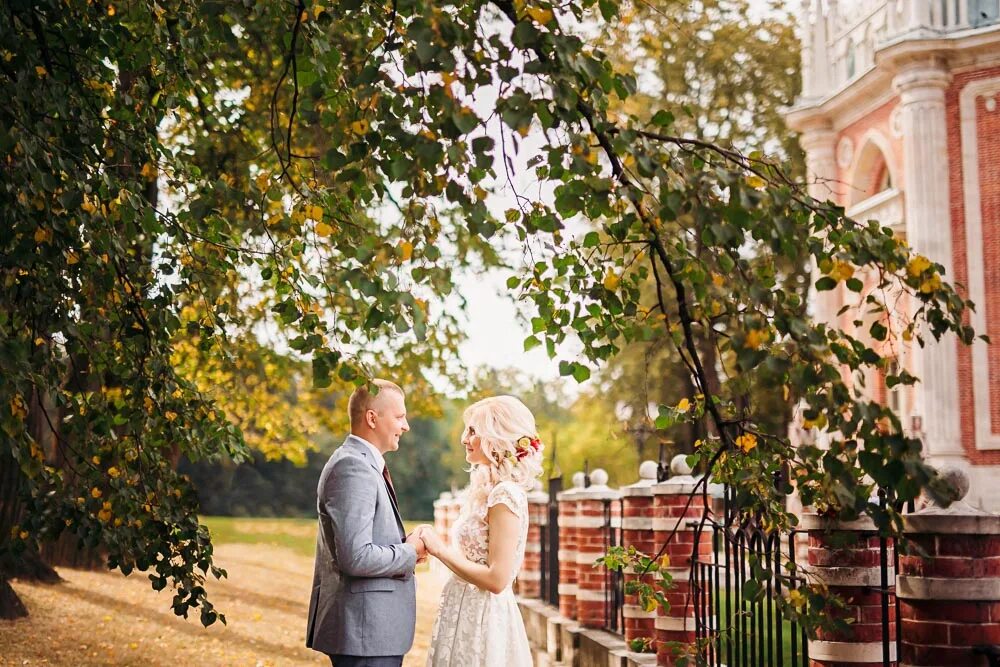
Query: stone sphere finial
pixel 957 481
pixel 679 465
pixel 599 477
pixel 577 480
pixel 647 470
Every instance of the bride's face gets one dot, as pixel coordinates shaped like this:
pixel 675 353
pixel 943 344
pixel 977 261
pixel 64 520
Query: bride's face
pixel 473 446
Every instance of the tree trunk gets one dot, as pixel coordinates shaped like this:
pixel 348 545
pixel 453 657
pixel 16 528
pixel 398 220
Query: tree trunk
pixel 11 606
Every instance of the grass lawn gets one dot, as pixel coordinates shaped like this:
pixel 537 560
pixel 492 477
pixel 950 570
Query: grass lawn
pixel 299 535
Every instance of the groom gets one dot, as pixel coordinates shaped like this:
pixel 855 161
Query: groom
pixel 363 606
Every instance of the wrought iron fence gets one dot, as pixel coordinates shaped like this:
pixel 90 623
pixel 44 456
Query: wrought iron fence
pixel 614 581
pixel 737 626
pixel 550 546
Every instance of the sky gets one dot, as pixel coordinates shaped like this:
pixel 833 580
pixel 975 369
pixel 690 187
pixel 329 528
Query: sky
pixel 496 333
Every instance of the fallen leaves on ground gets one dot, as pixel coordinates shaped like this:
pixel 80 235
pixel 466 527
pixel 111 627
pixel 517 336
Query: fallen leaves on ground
pixel 103 618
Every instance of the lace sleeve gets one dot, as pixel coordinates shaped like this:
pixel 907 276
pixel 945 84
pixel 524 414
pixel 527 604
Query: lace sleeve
pixel 511 495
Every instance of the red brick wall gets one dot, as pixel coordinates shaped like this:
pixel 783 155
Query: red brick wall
pixel 856 131
pixel 989 178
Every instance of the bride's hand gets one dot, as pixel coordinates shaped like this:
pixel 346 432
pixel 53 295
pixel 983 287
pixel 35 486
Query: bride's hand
pixel 431 539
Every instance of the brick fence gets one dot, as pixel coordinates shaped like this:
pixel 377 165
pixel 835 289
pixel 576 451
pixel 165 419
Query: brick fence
pixel 941 608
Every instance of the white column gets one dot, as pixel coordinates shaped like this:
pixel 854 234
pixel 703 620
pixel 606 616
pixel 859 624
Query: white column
pixel 806 37
pixel 819 143
pixel 921 87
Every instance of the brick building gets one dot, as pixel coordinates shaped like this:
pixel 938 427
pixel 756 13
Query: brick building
pixel 900 122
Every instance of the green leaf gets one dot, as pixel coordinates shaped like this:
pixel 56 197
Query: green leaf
pixel 662 118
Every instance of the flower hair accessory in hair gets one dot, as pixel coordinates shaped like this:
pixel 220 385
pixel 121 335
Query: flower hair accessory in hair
pixel 527 445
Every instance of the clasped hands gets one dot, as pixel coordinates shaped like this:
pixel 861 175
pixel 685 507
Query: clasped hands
pixel 425 541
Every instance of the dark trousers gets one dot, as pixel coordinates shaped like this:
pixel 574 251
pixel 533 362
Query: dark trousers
pixel 366 661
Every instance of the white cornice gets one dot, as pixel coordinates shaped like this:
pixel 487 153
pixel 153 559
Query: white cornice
pixel 867 92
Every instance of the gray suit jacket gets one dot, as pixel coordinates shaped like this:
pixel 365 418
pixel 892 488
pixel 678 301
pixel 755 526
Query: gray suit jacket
pixel 363 596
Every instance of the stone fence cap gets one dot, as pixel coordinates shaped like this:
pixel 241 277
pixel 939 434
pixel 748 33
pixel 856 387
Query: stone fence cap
pixel 538 497
pixel 951 523
pixel 813 521
pixel 597 493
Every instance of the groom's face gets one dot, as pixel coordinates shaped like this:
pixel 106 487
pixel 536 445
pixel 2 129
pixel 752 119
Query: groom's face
pixel 389 421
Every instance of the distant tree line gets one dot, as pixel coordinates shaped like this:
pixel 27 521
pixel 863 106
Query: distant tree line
pixel 423 467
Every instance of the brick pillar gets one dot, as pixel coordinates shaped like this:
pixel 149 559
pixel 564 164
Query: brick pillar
pixel 637 531
pixel 592 542
pixel 669 501
pixel 846 557
pixel 452 510
pixel 950 599
pixel 441 513
pixel 529 579
pixel 567 548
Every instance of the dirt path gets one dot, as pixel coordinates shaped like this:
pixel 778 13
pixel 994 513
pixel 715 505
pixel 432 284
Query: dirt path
pixel 103 618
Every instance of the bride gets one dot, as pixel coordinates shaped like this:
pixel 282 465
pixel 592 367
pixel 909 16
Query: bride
pixel 478 622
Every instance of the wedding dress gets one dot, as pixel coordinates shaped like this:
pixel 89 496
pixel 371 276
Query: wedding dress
pixel 476 628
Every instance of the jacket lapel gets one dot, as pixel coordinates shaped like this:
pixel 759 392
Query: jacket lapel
pixel 362 449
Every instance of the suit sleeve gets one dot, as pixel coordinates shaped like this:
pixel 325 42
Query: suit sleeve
pixel 349 498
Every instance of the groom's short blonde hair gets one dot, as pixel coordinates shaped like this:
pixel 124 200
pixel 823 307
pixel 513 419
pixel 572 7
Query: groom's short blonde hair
pixel 362 400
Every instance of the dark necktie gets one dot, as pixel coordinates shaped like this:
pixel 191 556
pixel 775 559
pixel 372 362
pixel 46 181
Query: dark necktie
pixel 388 483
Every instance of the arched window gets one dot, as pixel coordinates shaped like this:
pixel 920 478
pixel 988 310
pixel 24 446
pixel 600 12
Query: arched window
pixel 871 174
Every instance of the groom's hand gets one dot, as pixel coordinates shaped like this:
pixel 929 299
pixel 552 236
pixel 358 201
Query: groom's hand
pixel 418 544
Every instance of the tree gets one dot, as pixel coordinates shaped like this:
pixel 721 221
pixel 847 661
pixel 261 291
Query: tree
pixel 417 101
pixel 164 272
pixel 725 72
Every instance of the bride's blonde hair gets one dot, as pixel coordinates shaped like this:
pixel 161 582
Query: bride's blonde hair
pixel 500 422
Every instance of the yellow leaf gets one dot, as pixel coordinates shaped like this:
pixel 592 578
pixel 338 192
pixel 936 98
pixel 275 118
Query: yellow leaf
pixel 148 171
pixel 540 15
pixel 841 270
pixel 916 266
pixel 611 281
pixel 931 284
pixel 315 212
pixel 41 71
pixel 746 442
pixel 39 341
pixel 170 415
pixel 360 126
pixel 684 405
pixel 43 235
pixel 908 334
pixel 664 561
pixel 718 280
pixel 323 229
pixel 755 181
pixel 756 338
pixel 95 492
pixel 111 10
pixel 649 605
pixel 406 250
pixel 72 258
pixel 17 407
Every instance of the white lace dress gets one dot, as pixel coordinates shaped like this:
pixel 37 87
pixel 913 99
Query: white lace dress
pixel 476 628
